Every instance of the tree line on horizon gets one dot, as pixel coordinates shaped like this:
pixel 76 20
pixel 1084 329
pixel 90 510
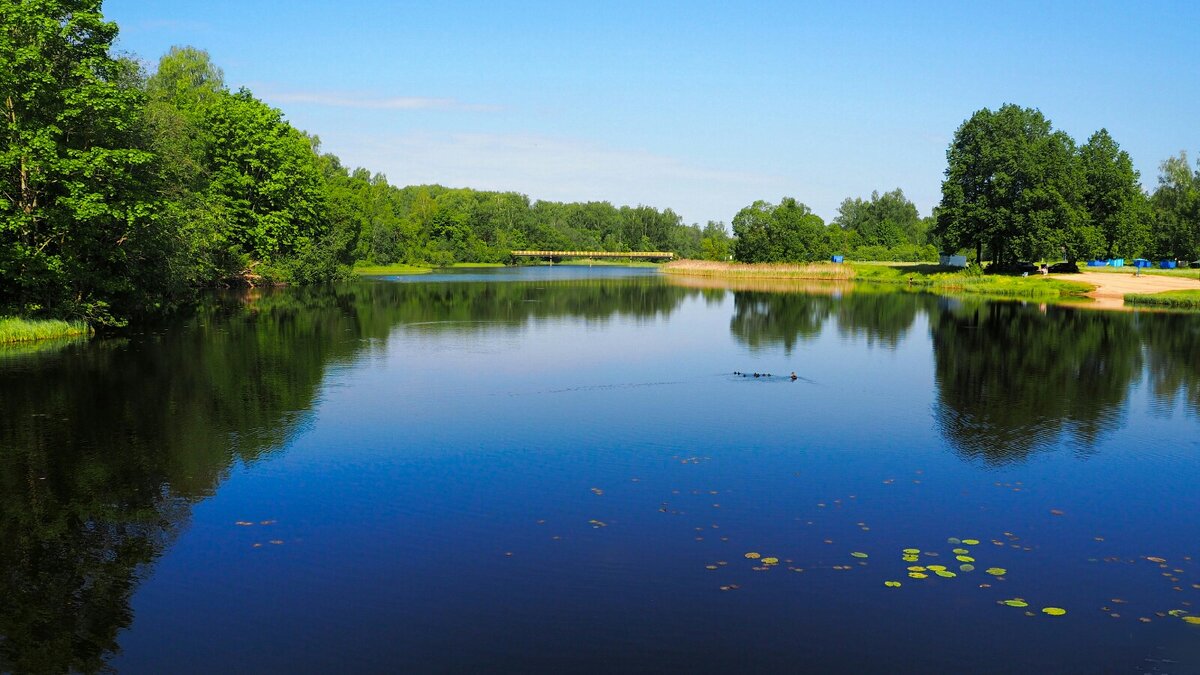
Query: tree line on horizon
pixel 126 191
pixel 1015 190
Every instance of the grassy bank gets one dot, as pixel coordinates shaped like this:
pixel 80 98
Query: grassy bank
pixel 951 280
pixel 1177 299
pixel 388 270
pixel 812 271
pixel 918 276
pixel 13 329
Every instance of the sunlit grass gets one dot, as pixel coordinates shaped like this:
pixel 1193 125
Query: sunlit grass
pixel 387 270
pixel 14 329
pixel 828 271
pixel 921 276
pixel 952 280
pixel 1178 299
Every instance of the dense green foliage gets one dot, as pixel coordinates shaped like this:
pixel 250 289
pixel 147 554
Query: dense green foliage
pixel 1016 189
pixel 438 225
pixel 124 193
pixel 885 227
pixel 1175 228
pixel 78 231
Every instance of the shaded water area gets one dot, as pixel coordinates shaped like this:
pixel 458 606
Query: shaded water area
pixel 556 470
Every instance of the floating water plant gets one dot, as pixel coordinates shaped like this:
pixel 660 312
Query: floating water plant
pixel 971 542
pixel 996 571
pixel 1016 602
pixel 753 556
pixel 892 584
pixel 1054 611
pixel 859 554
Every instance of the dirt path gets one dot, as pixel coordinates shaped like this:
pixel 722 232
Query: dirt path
pixel 1111 288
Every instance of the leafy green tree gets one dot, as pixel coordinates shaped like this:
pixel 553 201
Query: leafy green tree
pixel 1176 204
pixel 715 243
pixel 79 232
pixel 1113 196
pixel 885 220
pixel 265 173
pixel 789 232
pixel 1014 186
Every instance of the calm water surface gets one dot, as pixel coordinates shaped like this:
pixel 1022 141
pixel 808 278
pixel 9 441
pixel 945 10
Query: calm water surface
pixel 556 470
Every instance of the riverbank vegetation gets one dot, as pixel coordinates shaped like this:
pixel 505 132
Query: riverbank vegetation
pixel 1174 299
pixel 14 329
pixel 127 188
pixel 933 278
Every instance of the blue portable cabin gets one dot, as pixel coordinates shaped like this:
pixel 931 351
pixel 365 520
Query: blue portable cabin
pixel 1141 262
pixel 1116 262
pixel 1168 264
pixel 1097 263
pixel 838 258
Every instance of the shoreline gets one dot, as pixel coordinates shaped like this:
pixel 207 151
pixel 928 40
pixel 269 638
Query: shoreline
pixel 917 276
pixel 16 330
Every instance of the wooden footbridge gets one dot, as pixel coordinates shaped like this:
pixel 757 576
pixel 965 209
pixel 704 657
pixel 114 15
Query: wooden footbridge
pixel 560 255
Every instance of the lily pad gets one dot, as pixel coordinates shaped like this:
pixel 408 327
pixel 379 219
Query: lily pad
pixel 966 568
pixel 996 571
pixel 892 584
pixel 964 558
pixel 945 573
pixel 971 542
pixel 936 568
pixel 770 561
pixel 910 558
pixel 954 540
pixel 1054 611
pixel 859 554
pixel 918 575
pixel 916 568
pixel 1016 602
pixel 911 551
pixel 1192 619
pixel 960 551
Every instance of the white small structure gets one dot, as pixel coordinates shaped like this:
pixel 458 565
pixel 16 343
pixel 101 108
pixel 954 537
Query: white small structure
pixel 953 261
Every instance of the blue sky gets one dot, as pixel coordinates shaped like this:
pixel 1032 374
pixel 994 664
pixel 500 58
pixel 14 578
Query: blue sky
pixel 701 107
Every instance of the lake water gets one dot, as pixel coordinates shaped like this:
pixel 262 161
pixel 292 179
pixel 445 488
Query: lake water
pixel 557 470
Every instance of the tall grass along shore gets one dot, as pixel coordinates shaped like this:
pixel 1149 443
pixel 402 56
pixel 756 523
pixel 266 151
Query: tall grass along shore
pixel 919 276
pixel 14 329
pixel 1176 299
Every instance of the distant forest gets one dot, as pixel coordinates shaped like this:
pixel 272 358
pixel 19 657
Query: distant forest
pixel 124 191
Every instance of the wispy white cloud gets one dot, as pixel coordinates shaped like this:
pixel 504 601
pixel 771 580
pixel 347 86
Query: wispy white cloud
pixel 338 100
pixel 560 169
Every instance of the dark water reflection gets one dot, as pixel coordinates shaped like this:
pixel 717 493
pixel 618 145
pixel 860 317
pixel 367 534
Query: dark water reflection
pixel 108 448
